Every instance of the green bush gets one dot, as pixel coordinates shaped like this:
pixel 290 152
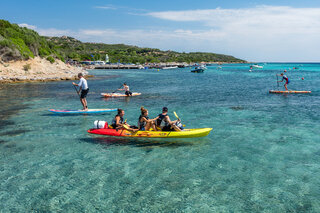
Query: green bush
pixel 51 59
pixel 22 47
pixel 6 43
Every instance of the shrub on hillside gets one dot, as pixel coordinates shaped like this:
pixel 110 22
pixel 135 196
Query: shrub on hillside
pixel 51 59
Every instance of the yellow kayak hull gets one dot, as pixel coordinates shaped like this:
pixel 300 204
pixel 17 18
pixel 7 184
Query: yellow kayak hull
pixel 186 133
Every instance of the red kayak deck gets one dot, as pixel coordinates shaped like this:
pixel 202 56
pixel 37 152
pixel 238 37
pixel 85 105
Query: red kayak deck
pixel 287 92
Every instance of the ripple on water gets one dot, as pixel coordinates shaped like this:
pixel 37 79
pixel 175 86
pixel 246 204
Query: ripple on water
pixel 14 132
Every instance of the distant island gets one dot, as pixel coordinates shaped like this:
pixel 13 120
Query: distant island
pixel 22 49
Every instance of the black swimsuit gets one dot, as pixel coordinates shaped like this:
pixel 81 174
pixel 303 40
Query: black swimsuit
pixel 114 123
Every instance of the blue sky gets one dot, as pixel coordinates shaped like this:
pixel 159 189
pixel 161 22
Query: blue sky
pixel 260 30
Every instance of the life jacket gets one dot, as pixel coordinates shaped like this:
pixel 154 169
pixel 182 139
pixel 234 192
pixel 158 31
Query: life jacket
pixel 114 122
pixel 142 124
pixel 161 121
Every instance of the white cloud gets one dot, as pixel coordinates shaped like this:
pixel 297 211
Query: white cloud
pixel 55 32
pixel 106 7
pixel 32 27
pixel 261 33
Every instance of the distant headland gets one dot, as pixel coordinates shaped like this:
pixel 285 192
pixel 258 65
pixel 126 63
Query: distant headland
pixel 27 56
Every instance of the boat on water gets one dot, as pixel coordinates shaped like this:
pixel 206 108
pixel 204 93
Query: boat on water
pixel 199 69
pixel 256 66
pixel 169 68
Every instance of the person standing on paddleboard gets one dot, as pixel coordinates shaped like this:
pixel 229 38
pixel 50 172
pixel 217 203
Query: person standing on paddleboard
pixel 164 123
pixel 84 90
pixel 284 77
pixel 127 89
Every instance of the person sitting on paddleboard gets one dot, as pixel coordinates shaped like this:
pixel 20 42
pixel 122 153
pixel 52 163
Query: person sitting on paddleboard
pixel 84 90
pixel 144 123
pixel 126 88
pixel 284 77
pixel 164 123
pixel 119 123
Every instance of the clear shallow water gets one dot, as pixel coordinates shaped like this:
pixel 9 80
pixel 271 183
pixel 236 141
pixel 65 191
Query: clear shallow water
pixel 262 155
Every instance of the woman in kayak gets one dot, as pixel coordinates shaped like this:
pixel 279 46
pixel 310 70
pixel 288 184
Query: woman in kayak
pixel 164 123
pixel 284 77
pixel 127 89
pixel 144 123
pixel 119 123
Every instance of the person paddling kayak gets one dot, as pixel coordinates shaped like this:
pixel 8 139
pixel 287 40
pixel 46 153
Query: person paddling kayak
pixel 84 90
pixel 119 123
pixel 284 77
pixel 164 123
pixel 144 123
pixel 126 89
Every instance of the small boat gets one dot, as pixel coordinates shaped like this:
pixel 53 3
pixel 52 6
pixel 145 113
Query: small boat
pixel 116 95
pixel 169 68
pixel 256 66
pixel 199 69
pixel 66 111
pixel 288 91
pixel 186 133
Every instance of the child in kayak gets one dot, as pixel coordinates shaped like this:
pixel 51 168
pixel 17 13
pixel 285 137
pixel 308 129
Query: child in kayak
pixel 126 88
pixel 164 123
pixel 84 90
pixel 119 123
pixel 284 77
pixel 144 123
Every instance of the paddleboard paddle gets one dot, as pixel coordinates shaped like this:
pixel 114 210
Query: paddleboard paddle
pixel 117 89
pixel 76 90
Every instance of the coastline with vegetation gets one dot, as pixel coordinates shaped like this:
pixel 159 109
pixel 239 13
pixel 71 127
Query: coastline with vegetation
pixel 27 56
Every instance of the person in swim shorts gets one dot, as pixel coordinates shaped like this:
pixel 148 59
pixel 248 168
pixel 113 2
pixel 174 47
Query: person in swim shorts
pixel 284 77
pixel 83 84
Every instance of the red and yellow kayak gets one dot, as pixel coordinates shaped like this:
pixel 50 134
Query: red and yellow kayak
pixel 186 133
pixel 288 91
pixel 115 95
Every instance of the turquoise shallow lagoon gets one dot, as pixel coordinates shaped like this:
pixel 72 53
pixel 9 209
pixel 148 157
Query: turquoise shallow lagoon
pixel 262 155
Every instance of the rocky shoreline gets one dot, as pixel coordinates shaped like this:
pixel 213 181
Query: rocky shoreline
pixel 37 70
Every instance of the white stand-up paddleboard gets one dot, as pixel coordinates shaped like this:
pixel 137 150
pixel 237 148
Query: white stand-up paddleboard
pixel 66 111
pixel 288 91
pixel 107 95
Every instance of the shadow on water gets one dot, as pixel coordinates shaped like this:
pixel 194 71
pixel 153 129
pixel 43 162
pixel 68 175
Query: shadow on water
pixel 125 99
pixel 237 108
pixel 5 123
pixel 14 132
pixel 2 141
pixel 139 142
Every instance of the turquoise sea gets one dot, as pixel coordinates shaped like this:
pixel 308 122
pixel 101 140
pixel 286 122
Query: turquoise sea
pixel 263 154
